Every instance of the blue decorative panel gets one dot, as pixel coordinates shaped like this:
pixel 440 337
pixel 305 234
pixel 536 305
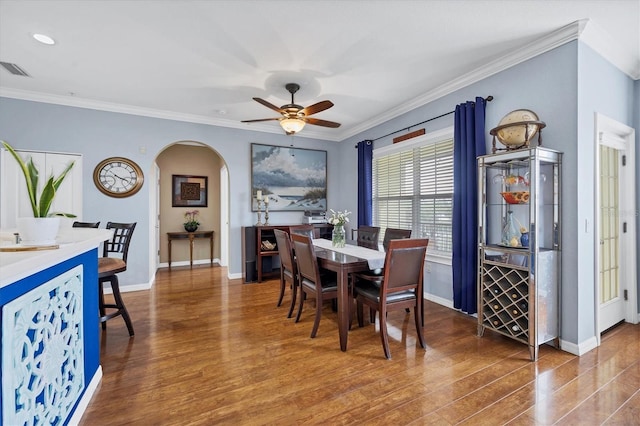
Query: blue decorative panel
pixel 43 340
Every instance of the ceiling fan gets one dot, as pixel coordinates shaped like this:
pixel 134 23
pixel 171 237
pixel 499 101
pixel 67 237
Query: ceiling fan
pixel 294 116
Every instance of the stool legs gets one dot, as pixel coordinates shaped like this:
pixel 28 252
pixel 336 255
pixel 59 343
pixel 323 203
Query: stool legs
pixel 118 305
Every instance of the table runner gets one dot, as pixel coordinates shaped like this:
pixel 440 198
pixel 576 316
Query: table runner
pixel 375 258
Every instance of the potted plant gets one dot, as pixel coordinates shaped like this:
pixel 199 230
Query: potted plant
pixel 42 228
pixel 191 220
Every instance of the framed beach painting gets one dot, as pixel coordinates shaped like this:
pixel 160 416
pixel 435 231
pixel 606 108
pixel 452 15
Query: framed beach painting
pixel 294 179
pixel 188 191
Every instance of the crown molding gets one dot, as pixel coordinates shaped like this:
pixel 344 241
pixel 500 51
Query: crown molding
pixel 146 112
pixel 584 29
pixel 599 40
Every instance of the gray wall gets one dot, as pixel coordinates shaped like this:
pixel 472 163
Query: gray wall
pixel 604 89
pixel 99 134
pixel 564 86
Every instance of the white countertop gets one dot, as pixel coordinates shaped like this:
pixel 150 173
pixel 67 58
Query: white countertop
pixel 72 241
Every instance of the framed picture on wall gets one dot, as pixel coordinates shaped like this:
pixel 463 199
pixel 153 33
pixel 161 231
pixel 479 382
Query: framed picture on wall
pixel 294 179
pixel 188 191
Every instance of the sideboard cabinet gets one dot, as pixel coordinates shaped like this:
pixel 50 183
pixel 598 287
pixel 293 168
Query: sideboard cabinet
pixel 260 251
pixel 519 243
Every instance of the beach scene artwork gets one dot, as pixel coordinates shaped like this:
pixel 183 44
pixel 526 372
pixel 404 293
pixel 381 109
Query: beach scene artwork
pixel 293 179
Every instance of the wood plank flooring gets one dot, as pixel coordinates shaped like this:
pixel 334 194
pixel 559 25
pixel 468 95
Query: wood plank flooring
pixel 209 350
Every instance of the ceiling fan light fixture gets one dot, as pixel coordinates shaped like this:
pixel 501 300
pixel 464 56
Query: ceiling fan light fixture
pixel 292 125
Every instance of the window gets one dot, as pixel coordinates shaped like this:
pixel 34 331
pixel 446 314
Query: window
pixel 413 189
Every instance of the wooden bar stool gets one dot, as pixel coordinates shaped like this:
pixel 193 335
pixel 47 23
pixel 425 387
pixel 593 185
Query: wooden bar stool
pixel 112 262
pixel 77 224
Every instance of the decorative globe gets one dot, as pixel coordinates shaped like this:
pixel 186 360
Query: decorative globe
pixel 521 133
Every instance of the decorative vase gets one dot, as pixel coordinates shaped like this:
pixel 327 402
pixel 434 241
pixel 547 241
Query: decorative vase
pixel 38 231
pixel 524 239
pixel 510 233
pixel 190 227
pixel 337 236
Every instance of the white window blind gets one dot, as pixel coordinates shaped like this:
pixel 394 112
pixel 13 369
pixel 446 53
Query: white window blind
pixel 413 189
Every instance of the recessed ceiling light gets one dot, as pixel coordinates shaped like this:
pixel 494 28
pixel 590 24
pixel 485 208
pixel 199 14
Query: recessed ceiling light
pixel 45 39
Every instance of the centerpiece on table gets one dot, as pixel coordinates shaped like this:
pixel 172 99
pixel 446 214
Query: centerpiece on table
pixel 191 220
pixel 42 228
pixel 338 219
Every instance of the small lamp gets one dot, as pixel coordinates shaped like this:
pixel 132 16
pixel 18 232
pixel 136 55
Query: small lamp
pixel 292 125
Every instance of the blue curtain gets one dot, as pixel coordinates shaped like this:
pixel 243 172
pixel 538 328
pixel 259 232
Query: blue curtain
pixel 469 143
pixel 365 168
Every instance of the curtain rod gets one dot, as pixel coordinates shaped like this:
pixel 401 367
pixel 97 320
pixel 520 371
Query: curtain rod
pixel 488 99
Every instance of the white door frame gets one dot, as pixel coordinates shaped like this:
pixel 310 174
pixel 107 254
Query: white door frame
pixel 224 216
pixel 623 135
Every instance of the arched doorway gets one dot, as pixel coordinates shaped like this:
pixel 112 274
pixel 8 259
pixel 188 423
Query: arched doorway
pixel 189 158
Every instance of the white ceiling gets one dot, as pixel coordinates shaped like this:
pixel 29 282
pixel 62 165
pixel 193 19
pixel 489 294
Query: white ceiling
pixel 203 61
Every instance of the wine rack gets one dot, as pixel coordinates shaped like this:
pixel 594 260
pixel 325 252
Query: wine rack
pixel 519 278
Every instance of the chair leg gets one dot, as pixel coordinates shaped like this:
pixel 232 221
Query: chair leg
pixel 316 322
pixel 283 283
pixel 419 328
pixel 118 304
pixel 115 287
pixel 360 313
pixel 303 295
pixel 294 295
pixel 383 333
pixel 101 304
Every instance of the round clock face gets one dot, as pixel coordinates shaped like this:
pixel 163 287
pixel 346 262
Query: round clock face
pixel 118 177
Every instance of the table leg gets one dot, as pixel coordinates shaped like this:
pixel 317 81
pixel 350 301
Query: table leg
pixel 191 250
pixel 211 249
pixel 169 252
pixel 343 308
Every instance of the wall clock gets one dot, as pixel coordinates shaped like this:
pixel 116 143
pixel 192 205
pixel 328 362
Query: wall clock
pixel 118 177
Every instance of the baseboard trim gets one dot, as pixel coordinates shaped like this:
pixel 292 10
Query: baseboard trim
pixel 86 397
pixel 581 348
pixel 216 261
pixel 439 300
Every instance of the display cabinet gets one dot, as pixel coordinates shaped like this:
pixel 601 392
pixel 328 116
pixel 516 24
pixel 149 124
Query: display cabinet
pixel 519 243
pixel 260 251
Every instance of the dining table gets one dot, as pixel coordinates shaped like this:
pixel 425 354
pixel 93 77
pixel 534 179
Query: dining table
pixel 344 261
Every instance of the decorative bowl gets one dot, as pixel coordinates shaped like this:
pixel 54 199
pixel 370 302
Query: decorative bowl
pixel 516 197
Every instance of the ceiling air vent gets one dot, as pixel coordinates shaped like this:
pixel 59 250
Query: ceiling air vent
pixel 14 69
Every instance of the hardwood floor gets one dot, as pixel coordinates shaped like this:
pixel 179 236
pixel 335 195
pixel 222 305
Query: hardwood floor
pixel 209 350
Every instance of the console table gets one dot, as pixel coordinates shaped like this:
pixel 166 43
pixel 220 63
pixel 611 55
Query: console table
pixel 190 236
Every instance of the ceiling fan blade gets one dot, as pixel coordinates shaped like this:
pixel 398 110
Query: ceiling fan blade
pixel 268 105
pixel 260 119
pixel 323 123
pixel 316 108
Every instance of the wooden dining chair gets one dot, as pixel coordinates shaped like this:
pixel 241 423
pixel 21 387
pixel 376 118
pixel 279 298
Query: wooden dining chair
pixel 394 234
pixel 368 236
pixel 309 230
pixel 112 262
pixel 288 268
pixel 312 284
pixel 401 287
pixel 77 224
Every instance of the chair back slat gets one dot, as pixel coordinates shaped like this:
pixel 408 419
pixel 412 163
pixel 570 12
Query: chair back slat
pixel 119 243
